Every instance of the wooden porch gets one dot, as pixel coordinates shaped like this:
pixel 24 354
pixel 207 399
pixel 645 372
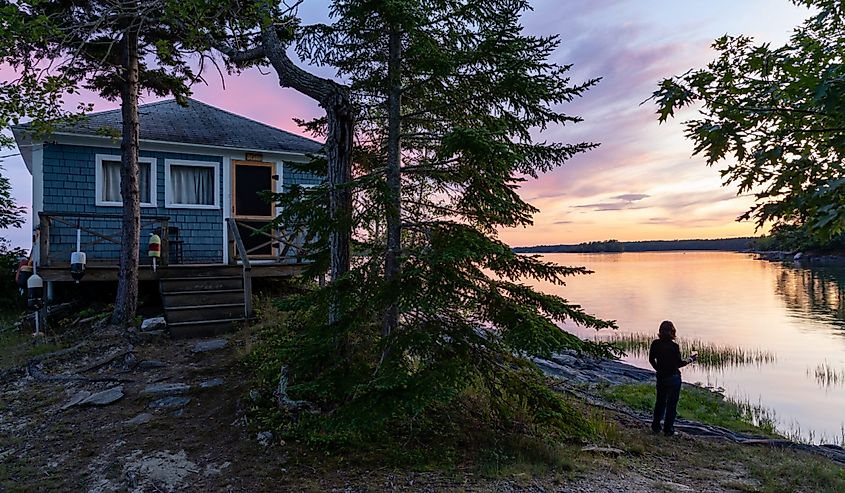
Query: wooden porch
pixel 108 271
pixel 199 299
pixel 54 265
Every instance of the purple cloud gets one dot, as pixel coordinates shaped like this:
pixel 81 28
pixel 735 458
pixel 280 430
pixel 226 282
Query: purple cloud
pixel 632 197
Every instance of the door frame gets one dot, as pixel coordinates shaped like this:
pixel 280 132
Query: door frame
pixel 274 179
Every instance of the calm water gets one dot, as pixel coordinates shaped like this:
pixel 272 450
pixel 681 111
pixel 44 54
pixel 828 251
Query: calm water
pixel 798 314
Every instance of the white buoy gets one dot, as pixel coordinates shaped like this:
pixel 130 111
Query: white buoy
pixel 77 259
pixel 35 297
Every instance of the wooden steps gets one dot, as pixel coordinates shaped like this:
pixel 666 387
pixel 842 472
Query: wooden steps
pixel 203 302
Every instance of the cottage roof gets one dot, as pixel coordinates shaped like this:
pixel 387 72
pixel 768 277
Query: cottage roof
pixel 197 123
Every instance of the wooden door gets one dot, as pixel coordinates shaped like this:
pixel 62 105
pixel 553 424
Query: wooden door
pixel 251 180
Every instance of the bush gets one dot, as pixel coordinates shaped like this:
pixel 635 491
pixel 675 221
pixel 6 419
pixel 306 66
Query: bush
pixel 11 299
pixel 417 420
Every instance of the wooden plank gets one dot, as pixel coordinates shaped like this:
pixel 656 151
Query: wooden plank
pixel 89 231
pixel 44 242
pixel 93 274
pixel 61 272
pixel 277 270
pixel 165 243
pixel 247 293
pixel 287 242
pixel 97 215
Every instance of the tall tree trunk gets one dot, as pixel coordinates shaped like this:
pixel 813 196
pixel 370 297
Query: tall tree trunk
pixel 335 99
pixel 339 158
pixel 127 286
pixel 392 269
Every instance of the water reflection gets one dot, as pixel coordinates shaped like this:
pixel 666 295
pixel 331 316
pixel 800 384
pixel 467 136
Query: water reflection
pixel 813 292
pixel 795 315
pixel 827 375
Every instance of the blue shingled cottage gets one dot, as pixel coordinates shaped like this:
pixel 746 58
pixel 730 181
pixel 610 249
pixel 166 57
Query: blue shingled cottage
pixel 203 172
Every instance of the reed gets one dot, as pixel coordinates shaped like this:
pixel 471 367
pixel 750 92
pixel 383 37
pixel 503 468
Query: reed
pixel 795 433
pixel 757 414
pixel 827 375
pixel 715 356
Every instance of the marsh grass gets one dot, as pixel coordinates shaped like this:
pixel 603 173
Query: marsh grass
pixel 711 356
pixel 704 406
pixel 712 407
pixel 16 346
pixel 827 375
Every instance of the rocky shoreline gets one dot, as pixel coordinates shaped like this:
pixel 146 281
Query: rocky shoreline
pixel 579 374
pixel 576 369
pixel 163 415
pixel 802 258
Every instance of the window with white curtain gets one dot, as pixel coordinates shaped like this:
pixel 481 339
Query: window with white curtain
pixel 191 184
pixel 108 181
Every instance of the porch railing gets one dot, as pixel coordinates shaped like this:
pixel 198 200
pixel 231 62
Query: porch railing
pixel 97 233
pixel 247 268
pixel 288 245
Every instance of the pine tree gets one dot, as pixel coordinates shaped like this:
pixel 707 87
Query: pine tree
pixel 118 50
pixel 258 33
pixel 450 95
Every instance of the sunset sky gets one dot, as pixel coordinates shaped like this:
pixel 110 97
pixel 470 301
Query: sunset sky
pixel 642 183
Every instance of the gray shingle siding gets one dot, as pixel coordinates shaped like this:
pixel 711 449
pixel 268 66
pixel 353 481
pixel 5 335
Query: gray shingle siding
pixel 69 186
pixel 293 177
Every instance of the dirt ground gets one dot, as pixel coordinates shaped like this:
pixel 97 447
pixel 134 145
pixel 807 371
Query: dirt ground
pixel 208 444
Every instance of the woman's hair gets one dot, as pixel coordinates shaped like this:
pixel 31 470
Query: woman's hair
pixel 667 330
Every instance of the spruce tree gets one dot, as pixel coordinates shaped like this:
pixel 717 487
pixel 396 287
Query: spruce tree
pixel 116 49
pixel 451 97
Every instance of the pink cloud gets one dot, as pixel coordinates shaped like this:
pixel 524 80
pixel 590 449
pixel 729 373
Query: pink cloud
pixel 631 45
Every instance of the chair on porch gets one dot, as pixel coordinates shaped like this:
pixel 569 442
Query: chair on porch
pixel 175 242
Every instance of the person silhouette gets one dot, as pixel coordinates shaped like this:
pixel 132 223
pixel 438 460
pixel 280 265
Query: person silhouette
pixel 665 357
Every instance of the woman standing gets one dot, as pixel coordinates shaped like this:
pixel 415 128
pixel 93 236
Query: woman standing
pixel 665 357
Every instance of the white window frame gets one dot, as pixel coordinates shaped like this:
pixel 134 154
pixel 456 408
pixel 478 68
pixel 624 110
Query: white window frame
pixel 168 200
pixel 98 181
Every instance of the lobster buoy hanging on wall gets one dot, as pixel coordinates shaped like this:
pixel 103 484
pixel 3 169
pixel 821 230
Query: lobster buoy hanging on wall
pixel 77 265
pixel 77 259
pixel 154 248
pixel 23 274
pixel 35 292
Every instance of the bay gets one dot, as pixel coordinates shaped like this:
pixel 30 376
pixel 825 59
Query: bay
pixel 796 313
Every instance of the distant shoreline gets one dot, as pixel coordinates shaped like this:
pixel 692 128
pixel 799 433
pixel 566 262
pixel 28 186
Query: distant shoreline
pixel 743 244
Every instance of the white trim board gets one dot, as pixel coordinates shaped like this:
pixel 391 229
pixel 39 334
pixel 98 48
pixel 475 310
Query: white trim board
pixel 198 164
pixel 227 204
pixel 37 198
pixel 98 180
pixel 185 148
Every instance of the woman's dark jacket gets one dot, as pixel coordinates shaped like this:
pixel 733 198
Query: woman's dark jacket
pixel 665 358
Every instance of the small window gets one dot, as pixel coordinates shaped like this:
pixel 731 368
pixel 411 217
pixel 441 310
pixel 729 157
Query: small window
pixel 191 185
pixel 108 181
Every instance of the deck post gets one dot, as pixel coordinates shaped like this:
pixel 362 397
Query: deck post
pixel 247 293
pixel 165 243
pixel 247 268
pixel 44 240
pixel 232 251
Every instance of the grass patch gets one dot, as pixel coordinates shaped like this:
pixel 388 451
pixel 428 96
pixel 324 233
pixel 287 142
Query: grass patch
pixel 715 356
pixel 702 405
pixel 17 347
pixel 779 471
pixel 526 455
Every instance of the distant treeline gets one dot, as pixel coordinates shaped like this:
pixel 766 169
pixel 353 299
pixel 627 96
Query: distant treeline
pixel 724 244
